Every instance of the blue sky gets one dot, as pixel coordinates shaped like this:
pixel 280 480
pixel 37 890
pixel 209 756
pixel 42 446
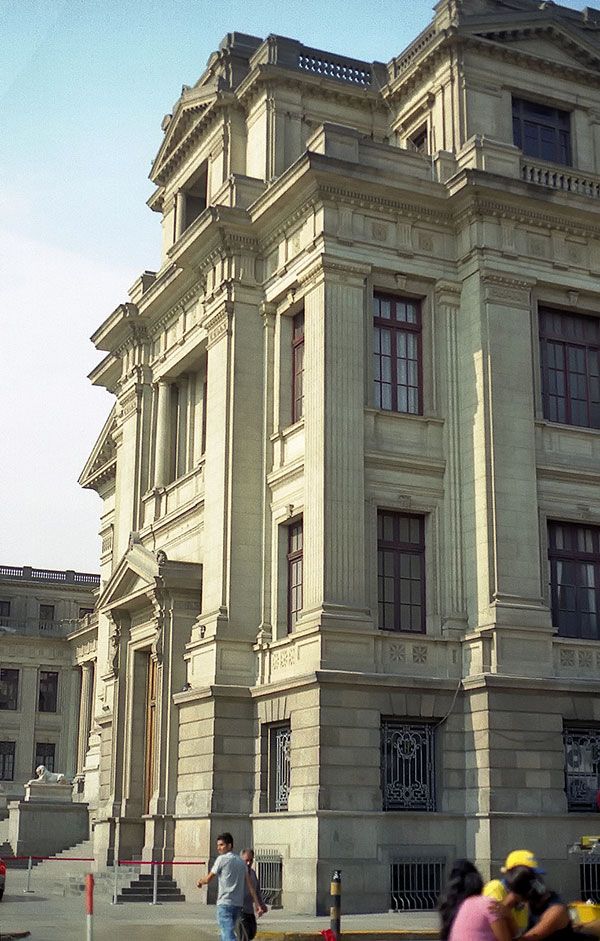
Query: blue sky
pixel 84 85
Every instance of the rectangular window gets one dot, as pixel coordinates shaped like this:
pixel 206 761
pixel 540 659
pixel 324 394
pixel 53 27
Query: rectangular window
pixel 279 776
pixel 418 141
pixel 582 768
pixel 407 765
pixel 570 361
pixel 84 611
pixel 401 572
pixel 4 613
pixel 9 689
pixel 46 617
pixel 574 561
pixel 541 131
pixel 48 691
pixel 44 755
pixel 295 573
pixel 397 354
pixel 298 367
pixel 7 761
pixel 203 427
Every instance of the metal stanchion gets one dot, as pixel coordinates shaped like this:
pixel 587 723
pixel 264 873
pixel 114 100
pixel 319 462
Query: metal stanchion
pixel 29 867
pixel 115 898
pixel 155 886
pixel 89 907
pixel 336 904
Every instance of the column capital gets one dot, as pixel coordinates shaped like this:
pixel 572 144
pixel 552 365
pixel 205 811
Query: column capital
pixel 218 322
pixel 447 293
pixel 511 292
pixel 333 268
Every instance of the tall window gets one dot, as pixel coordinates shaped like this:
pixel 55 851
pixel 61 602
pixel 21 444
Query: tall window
pixel 7 761
pixel 46 616
pixel 4 613
pixel 407 765
pixel 45 754
pixel 574 556
pixel 582 767
pixel 48 691
pixel 280 736
pixel 570 358
pixel 295 573
pixel 9 689
pixel 397 354
pixel 401 571
pixel 298 367
pixel 541 131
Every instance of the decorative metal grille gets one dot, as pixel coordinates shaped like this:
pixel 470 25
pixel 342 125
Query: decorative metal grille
pixel 416 883
pixel 280 766
pixel 589 879
pixel 582 768
pixel 407 765
pixel 269 869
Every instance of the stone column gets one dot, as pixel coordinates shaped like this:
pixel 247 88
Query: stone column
pixel 85 712
pixel 268 314
pixel 179 214
pixel 334 525
pixel 162 453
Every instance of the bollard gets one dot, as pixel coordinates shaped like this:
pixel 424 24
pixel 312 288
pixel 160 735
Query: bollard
pixel 29 865
pixel 336 904
pixel 89 906
pixel 155 886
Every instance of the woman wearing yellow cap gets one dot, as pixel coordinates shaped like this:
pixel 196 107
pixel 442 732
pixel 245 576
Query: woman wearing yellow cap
pixel 498 888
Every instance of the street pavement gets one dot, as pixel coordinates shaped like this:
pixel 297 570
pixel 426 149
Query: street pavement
pixel 52 917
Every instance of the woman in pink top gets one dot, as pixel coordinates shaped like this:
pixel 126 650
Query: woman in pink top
pixel 465 913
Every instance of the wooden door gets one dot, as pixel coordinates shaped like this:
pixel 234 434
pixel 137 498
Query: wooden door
pixel 150 743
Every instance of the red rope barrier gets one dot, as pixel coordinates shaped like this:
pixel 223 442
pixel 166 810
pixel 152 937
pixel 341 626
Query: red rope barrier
pixel 161 862
pixel 54 859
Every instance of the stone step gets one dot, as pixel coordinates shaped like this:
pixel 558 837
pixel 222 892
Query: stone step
pixel 142 888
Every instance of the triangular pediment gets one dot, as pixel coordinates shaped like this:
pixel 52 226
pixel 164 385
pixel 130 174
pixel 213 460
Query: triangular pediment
pixel 550 42
pixel 188 112
pixel 102 462
pixel 134 576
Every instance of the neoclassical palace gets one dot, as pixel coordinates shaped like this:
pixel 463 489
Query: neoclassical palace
pixel 350 603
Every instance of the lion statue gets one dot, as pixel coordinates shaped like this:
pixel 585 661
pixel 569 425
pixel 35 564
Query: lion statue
pixel 47 777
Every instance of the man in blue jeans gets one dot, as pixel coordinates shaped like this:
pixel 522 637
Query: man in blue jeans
pixel 232 874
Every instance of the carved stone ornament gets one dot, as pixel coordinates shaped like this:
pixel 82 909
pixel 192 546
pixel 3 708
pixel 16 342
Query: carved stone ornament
pixel 115 652
pixel 161 557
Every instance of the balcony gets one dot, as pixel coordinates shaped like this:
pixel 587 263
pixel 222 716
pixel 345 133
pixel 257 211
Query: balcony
pixel 34 627
pixel 28 573
pixel 565 179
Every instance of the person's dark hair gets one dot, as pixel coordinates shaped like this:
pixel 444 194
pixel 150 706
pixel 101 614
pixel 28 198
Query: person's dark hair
pixel 464 880
pixel 527 884
pixel 226 838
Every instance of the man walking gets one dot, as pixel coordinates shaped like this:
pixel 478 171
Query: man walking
pixel 248 920
pixel 232 874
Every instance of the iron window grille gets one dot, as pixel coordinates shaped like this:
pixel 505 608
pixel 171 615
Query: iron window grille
pixel 48 691
pixel 46 616
pixel 298 367
pixel 589 879
pixel 269 869
pixel 295 573
pixel 574 563
pixel 7 761
pixel 582 768
pixel 397 369
pixel 279 766
pixel 45 754
pixel 408 765
pixel 416 883
pixel 542 131
pixel 9 689
pixel 401 572
pixel 570 368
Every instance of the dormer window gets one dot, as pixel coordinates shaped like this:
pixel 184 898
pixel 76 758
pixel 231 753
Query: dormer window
pixel 541 131
pixel 418 141
pixel 191 201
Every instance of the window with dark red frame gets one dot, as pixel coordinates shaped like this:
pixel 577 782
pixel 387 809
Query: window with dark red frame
pixel 401 572
pixel 570 363
pixel 298 367
pixel 397 368
pixel 295 573
pixel 574 557
pixel 542 131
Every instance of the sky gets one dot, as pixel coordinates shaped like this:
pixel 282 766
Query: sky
pixel 84 85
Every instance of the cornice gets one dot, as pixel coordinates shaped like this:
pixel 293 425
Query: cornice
pixel 407 210
pixel 329 89
pixel 478 207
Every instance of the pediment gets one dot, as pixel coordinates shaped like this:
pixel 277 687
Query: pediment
pixel 102 462
pixel 134 576
pixel 550 42
pixel 189 110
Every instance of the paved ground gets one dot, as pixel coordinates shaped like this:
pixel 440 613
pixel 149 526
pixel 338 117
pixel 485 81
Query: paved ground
pixel 51 917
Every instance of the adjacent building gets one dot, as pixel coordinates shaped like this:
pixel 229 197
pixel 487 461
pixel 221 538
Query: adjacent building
pixel 351 523
pixel 42 687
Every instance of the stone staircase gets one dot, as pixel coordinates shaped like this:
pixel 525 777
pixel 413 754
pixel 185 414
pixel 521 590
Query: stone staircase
pixel 6 853
pixel 141 890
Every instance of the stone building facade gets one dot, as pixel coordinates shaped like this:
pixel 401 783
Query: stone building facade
pixel 351 558
pixel 46 694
